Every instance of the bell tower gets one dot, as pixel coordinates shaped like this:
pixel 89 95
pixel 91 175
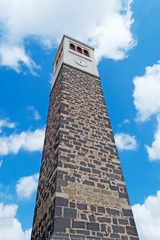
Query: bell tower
pixel 81 192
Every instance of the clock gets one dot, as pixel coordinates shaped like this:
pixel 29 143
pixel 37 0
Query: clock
pixel 80 62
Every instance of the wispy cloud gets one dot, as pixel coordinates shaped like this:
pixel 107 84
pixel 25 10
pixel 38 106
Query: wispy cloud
pixel 147 217
pixel 126 121
pixel 10 227
pixel 5 196
pixel 107 27
pixel 5 123
pixel 26 186
pixel 125 141
pixel 26 141
pixel 34 112
pixel 50 78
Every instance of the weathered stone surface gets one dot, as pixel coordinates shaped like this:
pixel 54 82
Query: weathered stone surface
pixel 81 191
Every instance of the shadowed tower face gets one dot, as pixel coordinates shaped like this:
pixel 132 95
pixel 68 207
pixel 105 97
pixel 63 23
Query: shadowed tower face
pixel 81 192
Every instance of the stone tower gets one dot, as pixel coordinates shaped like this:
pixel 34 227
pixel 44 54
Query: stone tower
pixel 81 193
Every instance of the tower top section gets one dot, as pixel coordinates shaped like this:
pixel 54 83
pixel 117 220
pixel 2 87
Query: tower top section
pixel 76 54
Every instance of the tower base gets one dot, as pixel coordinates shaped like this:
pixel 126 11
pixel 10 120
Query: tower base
pixel 64 236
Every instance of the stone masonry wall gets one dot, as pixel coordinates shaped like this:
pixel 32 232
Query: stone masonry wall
pixel 81 192
pixel 44 208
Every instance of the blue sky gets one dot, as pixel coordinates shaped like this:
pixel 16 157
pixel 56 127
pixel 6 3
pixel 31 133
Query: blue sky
pixel 126 38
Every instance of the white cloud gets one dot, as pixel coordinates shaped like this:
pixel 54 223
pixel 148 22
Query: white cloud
pixel 1 161
pixel 10 227
pixel 35 113
pixel 12 56
pixel 105 24
pixel 125 141
pixel 28 141
pixel 6 123
pixel 5 196
pixel 126 121
pixel 147 102
pixel 147 92
pixel 147 217
pixel 26 186
pixel 154 151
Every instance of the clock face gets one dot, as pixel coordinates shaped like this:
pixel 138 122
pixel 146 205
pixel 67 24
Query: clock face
pixel 80 62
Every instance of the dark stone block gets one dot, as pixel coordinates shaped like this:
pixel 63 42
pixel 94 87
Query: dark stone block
pixel 62 150
pixel 88 183
pixel 58 189
pixel 115 221
pixel 85 169
pixel 82 206
pixel 127 212
pixel 84 232
pixel 59 175
pixel 114 236
pixel 69 166
pixel 91 165
pixel 76 237
pixel 104 169
pixel 61 223
pixel 92 238
pixel 123 221
pixel 113 176
pixel 83 216
pixel 104 219
pixel 93 226
pixel 123 195
pixel 61 236
pixel 131 231
pixel 112 211
pixel 83 163
pixel 78 224
pixel 103 227
pixel 124 238
pixel 77 143
pixel 91 218
pixel 70 213
pixel 101 186
pixel 61 182
pixel 70 179
pixel 93 179
pixel 58 211
pixel 99 234
pixel 97 162
pixel 72 204
pixel 61 201
pixel 132 222
pixel 101 209
pixel 96 171
pixel 93 208
pixel 118 229
pixel 104 181
pixel 114 188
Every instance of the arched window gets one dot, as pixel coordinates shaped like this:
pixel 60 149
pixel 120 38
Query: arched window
pixel 86 53
pixel 72 47
pixel 79 50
